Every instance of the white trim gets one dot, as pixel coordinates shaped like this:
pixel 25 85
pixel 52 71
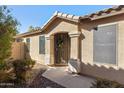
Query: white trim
pixel 117 30
pixel 58 14
pixel 47 37
pixel 74 34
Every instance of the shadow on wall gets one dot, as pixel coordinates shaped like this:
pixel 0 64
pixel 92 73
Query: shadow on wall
pixel 20 51
pixel 110 73
pixel 27 52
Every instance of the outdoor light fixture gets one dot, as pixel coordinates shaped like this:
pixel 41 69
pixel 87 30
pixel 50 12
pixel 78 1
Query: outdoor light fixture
pixel 95 28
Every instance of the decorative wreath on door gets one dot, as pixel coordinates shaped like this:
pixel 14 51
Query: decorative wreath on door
pixel 60 42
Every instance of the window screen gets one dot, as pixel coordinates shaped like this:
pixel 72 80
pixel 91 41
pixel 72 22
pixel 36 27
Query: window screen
pixel 19 40
pixel 41 44
pixel 104 44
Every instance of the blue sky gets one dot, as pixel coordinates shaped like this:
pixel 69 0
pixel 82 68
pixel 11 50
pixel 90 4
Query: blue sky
pixel 37 15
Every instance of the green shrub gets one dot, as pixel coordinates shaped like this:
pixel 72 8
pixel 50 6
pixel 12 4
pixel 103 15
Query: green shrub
pixel 14 71
pixel 29 63
pixel 103 83
pixel 20 68
pixel 6 72
pixel 2 65
pixel 6 64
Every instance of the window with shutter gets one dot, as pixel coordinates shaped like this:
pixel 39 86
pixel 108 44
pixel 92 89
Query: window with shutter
pixel 104 44
pixel 41 44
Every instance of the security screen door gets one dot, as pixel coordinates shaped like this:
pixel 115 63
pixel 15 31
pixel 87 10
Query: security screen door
pixel 62 48
pixel 104 44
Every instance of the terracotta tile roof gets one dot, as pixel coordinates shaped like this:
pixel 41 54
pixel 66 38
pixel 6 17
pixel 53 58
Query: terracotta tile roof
pixel 98 15
pixel 105 13
pixel 27 34
pixel 55 15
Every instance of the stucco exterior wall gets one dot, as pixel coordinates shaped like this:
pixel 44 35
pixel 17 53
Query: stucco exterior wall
pixel 34 49
pixel 121 44
pixel 107 71
pixel 61 25
pixel 58 26
pixel 82 47
pixel 18 51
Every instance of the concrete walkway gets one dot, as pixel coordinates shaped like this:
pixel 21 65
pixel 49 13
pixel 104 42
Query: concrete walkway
pixel 61 76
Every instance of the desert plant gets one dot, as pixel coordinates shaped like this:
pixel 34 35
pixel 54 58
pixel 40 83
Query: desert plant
pixel 14 71
pixel 2 65
pixel 6 72
pixel 8 28
pixel 29 63
pixel 20 69
pixel 103 83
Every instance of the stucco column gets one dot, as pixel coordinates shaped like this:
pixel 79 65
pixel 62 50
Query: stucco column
pixel 49 50
pixel 52 50
pixel 74 53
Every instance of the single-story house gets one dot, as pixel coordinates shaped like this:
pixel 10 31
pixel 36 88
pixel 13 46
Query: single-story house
pixel 96 40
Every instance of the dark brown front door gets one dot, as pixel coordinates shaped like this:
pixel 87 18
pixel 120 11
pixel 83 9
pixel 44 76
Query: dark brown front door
pixel 62 48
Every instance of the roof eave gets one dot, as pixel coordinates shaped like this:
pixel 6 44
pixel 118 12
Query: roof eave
pixel 109 15
pixel 26 34
pixel 103 16
pixel 68 17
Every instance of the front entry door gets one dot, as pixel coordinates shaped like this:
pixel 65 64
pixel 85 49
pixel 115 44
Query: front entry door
pixel 62 50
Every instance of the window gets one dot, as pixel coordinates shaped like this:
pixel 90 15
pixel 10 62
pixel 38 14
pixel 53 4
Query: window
pixel 28 44
pixel 104 44
pixel 41 44
pixel 19 40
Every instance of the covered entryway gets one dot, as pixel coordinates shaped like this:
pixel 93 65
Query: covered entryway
pixel 61 48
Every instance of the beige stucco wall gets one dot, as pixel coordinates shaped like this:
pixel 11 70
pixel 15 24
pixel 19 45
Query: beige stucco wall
pixel 82 48
pixel 60 26
pixel 121 44
pixel 57 26
pixel 18 50
pixel 34 49
pixel 108 71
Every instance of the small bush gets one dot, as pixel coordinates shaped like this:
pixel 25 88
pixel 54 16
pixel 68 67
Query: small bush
pixel 2 65
pixel 20 68
pixel 29 63
pixel 6 64
pixel 103 83
pixel 7 75
pixel 14 71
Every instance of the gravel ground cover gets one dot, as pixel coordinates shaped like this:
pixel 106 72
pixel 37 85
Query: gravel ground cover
pixel 34 79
